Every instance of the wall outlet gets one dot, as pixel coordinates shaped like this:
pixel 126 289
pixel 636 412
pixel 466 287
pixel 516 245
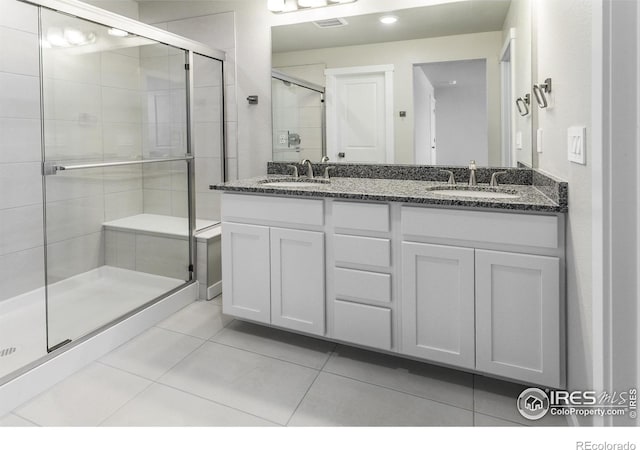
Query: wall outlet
pixel 283 138
pixel 577 145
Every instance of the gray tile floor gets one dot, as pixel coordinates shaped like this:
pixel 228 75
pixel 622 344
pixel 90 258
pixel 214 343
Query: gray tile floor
pixel 201 368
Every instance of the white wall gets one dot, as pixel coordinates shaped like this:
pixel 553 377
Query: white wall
pixel 404 55
pixel 564 54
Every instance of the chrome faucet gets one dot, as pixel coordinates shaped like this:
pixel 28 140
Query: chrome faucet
pixel 494 178
pixel 309 167
pixel 326 171
pixel 452 178
pixel 324 159
pixel 295 170
pixel 472 174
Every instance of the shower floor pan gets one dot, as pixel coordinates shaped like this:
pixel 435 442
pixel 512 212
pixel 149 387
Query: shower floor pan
pixel 77 306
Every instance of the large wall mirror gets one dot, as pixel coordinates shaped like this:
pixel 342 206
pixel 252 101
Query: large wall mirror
pixel 442 85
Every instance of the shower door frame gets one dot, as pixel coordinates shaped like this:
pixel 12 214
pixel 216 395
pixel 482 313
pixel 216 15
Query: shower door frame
pixel 190 47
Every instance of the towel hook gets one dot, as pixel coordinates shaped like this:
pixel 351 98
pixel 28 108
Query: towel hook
pixel 540 90
pixel 522 103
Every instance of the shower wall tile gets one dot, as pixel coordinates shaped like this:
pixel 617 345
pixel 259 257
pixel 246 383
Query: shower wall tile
pixel 20 140
pixel 72 101
pixel 74 185
pixel 157 202
pixel 69 140
pixel 230 66
pixel 21 272
pixel 75 67
pixel 179 204
pixel 20 185
pixel 120 249
pixel 120 71
pixel 231 107
pixel 162 256
pixel 74 256
pixel 19 96
pixel 206 72
pixel 121 105
pixel 154 70
pixel 208 205
pixel 207 139
pixel 122 179
pixel 75 218
pixel 121 141
pixel 19 52
pixel 208 172
pixel 18 15
pixel 20 229
pixel 122 204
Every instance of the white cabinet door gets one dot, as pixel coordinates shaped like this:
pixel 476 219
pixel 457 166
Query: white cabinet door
pixel 245 271
pixel 518 317
pixel 438 303
pixel 297 280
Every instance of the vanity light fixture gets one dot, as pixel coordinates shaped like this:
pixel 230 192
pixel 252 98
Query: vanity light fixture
pixel 283 6
pixel 68 37
pixel 388 19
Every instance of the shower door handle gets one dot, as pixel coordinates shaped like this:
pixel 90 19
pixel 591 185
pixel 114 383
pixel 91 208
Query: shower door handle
pixel 52 168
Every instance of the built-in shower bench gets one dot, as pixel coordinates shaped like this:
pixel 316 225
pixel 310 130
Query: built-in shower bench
pixel 130 238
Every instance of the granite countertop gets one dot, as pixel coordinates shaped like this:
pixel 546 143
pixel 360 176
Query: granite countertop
pixel 529 197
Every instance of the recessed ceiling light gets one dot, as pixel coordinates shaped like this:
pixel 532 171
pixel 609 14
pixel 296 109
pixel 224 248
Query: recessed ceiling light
pixel 389 19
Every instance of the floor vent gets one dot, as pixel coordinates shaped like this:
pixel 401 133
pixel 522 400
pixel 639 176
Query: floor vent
pixel 7 351
pixel 331 23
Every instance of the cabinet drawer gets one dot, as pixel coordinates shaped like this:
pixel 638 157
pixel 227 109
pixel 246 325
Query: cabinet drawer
pixel 362 250
pixel 361 216
pixel 291 210
pixel 362 324
pixel 497 228
pixel 361 285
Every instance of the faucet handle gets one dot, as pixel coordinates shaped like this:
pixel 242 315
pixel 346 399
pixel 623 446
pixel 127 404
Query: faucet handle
pixel 324 159
pixel 326 171
pixel 295 170
pixel 494 178
pixel 472 164
pixel 452 179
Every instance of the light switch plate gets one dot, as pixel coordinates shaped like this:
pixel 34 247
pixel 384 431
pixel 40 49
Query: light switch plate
pixel 539 140
pixel 577 144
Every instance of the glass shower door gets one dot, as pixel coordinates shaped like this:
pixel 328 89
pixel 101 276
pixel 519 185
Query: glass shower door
pixel 117 173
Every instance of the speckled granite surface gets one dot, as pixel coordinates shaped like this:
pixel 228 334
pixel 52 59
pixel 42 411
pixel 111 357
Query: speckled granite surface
pixel 529 198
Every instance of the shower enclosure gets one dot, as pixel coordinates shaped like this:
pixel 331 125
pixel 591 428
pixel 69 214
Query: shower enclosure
pixel 298 115
pixel 102 120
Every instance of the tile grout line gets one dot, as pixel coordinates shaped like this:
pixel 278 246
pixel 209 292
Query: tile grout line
pixel 266 356
pixel 24 418
pixel 398 391
pixel 311 385
pixel 160 383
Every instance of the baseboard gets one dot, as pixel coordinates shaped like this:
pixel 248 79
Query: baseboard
pixel 40 378
pixel 214 290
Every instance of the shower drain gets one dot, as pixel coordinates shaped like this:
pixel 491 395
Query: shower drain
pixel 7 351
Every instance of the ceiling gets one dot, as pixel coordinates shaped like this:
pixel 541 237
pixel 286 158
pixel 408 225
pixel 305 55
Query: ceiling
pixel 470 16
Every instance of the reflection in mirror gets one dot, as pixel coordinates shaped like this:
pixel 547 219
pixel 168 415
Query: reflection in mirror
pixel 437 87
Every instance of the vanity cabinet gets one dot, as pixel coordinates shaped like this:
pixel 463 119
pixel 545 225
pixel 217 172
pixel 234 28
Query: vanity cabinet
pixel 483 290
pixel 478 290
pixel 274 274
pixel 518 314
pixel 438 303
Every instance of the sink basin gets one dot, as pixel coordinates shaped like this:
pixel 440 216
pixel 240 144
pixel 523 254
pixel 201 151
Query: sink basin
pixel 291 184
pixel 470 193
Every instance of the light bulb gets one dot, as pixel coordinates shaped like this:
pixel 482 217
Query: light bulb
pixel 118 33
pixel 312 3
pixel 388 20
